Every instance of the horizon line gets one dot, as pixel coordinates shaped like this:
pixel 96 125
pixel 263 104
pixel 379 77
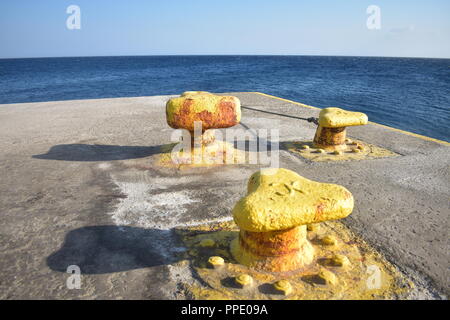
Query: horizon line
pixel 224 55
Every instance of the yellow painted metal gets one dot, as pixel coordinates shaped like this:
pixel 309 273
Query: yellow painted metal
pixel 351 269
pixel 283 286
pixel 336 117
pixel 277 251
pixel 331 131
pixel 273 218
pixel 207 243
pixel 216 261
pixel 212 110
pixel 366 151
pixel 243 280
pixel 280 199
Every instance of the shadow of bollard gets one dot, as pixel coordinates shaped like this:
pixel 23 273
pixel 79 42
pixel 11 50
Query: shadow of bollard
pixel 107 249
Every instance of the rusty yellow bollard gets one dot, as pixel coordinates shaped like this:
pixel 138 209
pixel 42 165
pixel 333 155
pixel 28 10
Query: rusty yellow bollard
pixel 212 110
pixel 331 131
pixel 274 214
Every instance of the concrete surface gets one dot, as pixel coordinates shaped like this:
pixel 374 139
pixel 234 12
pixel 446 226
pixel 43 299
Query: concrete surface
pixel 78 188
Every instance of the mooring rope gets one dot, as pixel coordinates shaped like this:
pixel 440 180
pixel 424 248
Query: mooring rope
pixel 311 119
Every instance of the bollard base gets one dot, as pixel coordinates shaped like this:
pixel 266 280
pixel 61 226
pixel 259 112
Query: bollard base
pixel 364 275
pixel 215 153
pixel 351 150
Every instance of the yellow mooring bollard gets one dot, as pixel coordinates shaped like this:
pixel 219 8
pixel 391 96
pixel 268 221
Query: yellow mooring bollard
pixel 273 218
pixel 281 246
pixel 212 111
pixel 331 131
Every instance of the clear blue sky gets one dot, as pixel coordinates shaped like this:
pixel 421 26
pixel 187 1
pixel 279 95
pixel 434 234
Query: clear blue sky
pixel 37 28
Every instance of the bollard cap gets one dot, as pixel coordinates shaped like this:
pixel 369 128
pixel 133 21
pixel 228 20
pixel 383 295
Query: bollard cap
pixel 336 118
pixel 212 110
pixel 280 199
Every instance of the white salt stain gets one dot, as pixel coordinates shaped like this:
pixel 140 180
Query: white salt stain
pixel 104 165
pixel 150 205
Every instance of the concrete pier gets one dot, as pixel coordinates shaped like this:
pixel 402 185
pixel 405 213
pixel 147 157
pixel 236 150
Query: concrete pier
pixel 78 187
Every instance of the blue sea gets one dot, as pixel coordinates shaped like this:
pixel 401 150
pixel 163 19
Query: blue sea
pixel 407 93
